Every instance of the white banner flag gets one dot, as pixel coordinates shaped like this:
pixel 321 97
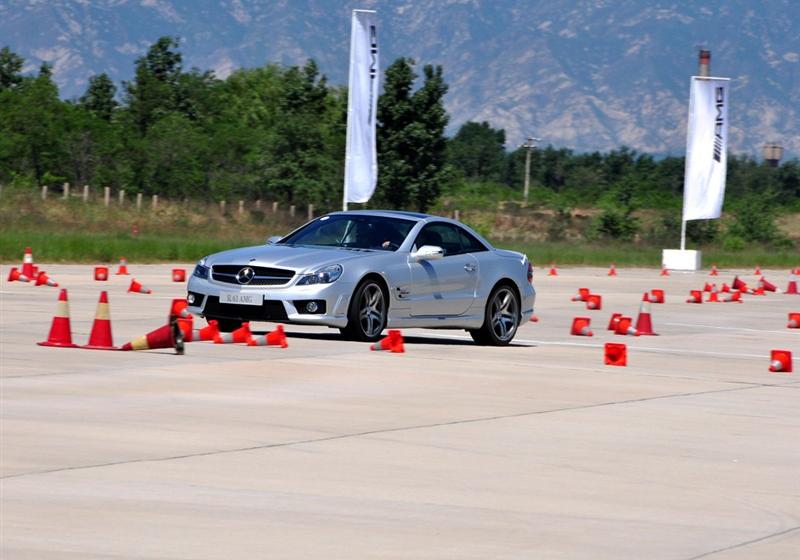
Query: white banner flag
pixel 361 159
pixel 706 148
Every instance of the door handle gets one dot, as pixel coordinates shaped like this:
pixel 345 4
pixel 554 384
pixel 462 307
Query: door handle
pixel 470 267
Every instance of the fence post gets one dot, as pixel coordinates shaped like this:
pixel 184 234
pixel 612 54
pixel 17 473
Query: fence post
pixel 456 215
pixel 121 197
pixel 222 205
pixel 310 212
pixel 106 196
pixel 291 210
pixel 66 191
pixel 274 207
pixel 138 201
pixel 241 207
pixel 258 204
pixel 85 194
pixel 44 192
pixel 155 201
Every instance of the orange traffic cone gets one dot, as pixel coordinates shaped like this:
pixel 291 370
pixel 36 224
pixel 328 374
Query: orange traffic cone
pixel 100 337
pixel 725 288
pixel 137 288
pixel 644 324
pixel 708 287
pixel 168 336
pixel 712 296
pixel 612 270
pixel 732 297
pixel 612 323
pixel 389 342
pixel 242 334
pixel 664 271
pixel 101 273
pixel 615 354
pixel 792 287
pixel 178 275
pixel 580 327
pixel 196 335
pixel 583 293
pixel 42 279
pixel 594 301
pixel 757 271
pixel 738 284
pixel 767 285
pixel 179 309
pixel 122 269
pixel 534 319
pixel 60 331
pixel 696 296
pixel 553 271
pixel 656 296
pixel 794 320
pixel 274 338
pixel 625 327
pixel 759 291
pixel 780 361
pixel 714 271
pixel 27 264
pixel 15 275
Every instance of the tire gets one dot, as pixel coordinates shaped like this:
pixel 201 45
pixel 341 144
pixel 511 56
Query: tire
pixel 368 313
pixel 501 318
pixel 225 325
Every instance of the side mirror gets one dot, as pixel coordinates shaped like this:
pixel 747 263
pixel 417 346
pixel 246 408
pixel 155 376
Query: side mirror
pixel 427 253
pixel 272 240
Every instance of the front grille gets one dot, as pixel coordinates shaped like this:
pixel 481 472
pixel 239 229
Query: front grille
pixel 270 310
pixel 265 276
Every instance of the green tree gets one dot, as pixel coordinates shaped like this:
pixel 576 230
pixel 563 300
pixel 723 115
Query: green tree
pixel 10 69
pixel 478 150
pixel 155 89
pixel 99 97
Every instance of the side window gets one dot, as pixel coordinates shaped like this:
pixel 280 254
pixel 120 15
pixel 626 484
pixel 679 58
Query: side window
pixel 441 235
pixel 469 243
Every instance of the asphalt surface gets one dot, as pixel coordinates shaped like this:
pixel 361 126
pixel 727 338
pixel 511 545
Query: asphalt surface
pixel 450 450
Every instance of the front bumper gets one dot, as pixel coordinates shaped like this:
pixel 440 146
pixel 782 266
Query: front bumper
pixel 279 303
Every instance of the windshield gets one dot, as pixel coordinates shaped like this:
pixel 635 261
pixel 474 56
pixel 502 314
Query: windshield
pixel 352 231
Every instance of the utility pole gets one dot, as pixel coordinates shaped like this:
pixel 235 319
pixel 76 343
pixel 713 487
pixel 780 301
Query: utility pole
pixel 530 145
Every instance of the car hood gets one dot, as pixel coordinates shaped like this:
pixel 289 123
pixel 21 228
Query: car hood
pixel 299 258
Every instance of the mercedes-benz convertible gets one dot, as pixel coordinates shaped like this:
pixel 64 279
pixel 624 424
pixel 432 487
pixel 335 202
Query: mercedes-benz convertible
pixel 364 271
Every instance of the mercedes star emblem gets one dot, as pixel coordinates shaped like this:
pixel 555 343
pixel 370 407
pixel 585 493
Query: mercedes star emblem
pixel 245 275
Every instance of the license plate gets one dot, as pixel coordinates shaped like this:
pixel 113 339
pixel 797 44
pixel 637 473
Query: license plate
pixel 240 298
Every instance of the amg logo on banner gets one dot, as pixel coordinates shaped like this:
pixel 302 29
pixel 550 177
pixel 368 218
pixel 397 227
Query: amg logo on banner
pixel 719 100
pixel 373 66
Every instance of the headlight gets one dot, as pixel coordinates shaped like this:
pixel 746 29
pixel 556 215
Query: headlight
pixel 322 276
pixel 200 269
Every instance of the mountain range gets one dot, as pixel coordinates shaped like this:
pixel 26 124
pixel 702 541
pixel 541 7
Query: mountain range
pixel 583 74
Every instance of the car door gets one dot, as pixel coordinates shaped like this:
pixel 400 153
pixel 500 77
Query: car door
pixel 446 286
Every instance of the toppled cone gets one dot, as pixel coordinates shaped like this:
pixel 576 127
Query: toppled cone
pixel 393 342
pixel 274 338
pixel 44 280
pixel 190 334
pixel 709 287
pixel 580 327
pixel 732 297
pixel 625 327
pixel 168 336
pixel 794 320
pixel 615 354
pixel 664 271
pixel 656 296
pixel 137 288
pixel 594 301
pixel 583 293
pixel 15 275
pixel 695 296
pixel 612 323
pixel 101 337
pixel 738 284
pixel 240 335
pixel 60 330
pixel 179 309
pixel 101 273
pixel 534 319
pixel 644 323
pixel 780 361
pixel 767 285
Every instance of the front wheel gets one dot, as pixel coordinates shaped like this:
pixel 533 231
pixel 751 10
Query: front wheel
pixel 368 313
pixel 501 318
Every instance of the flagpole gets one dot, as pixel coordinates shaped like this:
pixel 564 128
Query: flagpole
pixel 683 235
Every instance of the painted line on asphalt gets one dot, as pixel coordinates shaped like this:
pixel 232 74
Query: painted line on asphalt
pixel 784 331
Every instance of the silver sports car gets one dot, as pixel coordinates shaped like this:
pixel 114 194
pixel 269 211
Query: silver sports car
pixel 363 271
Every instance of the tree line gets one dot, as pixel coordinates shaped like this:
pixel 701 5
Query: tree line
pixel 278 133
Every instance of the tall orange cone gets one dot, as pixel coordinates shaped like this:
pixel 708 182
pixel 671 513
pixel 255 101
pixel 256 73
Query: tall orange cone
pixel 612 323
pixel 122 269
pixel 656 296
pixel 274 338
pixel 794 320
pixel 42 279
pixel 553 271
pixel 583 293
pixel 780 361
pixel 615 354
pixel 100 337
pixel 60 331
pixel 612 270
pixel 625 327
pixel 168 336
pixel 792 287
pixel 644 324
pixel 664 271
pixel 696 296
pixel 179 275
pixel 27 264
pixel 580 327
pixel 15 275
pixel 594 301
pixel 242 334
pixel 101 273
pixel 137 288
pixel 714 271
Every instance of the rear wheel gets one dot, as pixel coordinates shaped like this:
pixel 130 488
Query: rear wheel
pixel 226 325
pixel 501 318
pixel 368 312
